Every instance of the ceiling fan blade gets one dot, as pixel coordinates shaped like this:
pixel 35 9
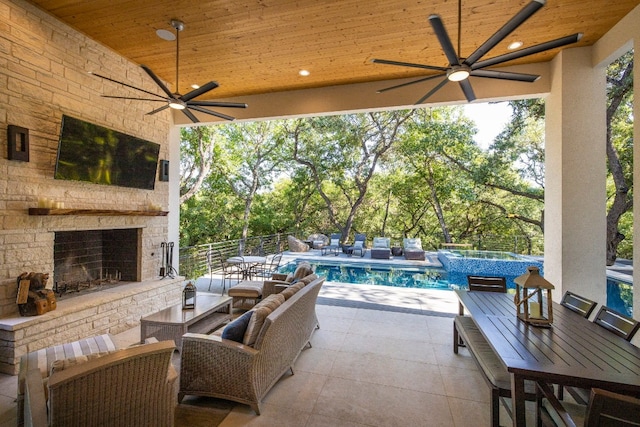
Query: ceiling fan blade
pixel 157 80
pixel 127 85
pixel 213 113
pixel 201 90
pixel 134 99
pixel 465 85
pixel 217 104
pixel 432 91
pixel 191 116
pixel 563 41
pixel 503 75
pixel 524 14
pixel 157 110
pixel 424 79
pixel 408 64
pixel 444 39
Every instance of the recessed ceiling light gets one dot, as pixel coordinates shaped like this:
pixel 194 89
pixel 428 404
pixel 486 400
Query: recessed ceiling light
pixel 195 86
pixel 166 35
pixel 304 73
pixel 515 45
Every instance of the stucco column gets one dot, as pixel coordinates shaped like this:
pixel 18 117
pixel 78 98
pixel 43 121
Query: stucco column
pixel 575 167
pixel 173 233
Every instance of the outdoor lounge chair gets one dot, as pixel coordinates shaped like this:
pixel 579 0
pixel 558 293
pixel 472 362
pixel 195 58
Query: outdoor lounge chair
pixel 413 249
pixel 359 246
pixel 333 247
pixel 381 248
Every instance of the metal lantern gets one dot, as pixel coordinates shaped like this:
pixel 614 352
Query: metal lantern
pixel 533 298
pixel 189 296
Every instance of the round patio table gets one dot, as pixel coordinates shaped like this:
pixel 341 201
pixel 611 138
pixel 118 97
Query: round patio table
pixel 247 263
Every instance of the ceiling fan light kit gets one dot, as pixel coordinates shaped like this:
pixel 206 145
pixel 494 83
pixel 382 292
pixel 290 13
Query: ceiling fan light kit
pixel 460 69
pixel 185 103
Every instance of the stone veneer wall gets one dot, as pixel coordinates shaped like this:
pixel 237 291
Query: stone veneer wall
pixel 44 73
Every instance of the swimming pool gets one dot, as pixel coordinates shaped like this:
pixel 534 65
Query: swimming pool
pixel 619 292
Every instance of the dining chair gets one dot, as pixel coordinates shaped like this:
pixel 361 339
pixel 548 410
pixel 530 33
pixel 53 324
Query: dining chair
pixel 487 283
pixel 616 323
pixel 605 409
pixel 578 304
pixel 267 270
pixel 217 264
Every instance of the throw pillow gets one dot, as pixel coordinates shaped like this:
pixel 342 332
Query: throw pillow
pixel 303 269
pixel 358 244
pixel 235 330
pixel 255 324
pixel 288 293
pixel 273 301
pixel 380 242
pixel 310 278
pixel 414 243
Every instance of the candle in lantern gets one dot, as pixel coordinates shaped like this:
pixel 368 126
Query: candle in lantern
pixel 534 309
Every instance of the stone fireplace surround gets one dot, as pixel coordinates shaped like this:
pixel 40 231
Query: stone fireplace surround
pixel 109 310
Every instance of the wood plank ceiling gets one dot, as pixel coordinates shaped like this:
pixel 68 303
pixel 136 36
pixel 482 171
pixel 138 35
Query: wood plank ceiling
pixel 258 46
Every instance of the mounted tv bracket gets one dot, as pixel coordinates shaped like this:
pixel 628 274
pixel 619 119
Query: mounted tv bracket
pixel 167 270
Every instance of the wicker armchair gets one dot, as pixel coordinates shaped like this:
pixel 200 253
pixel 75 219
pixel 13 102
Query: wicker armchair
pixel 135 386
pixel 280 281
pixel 226 369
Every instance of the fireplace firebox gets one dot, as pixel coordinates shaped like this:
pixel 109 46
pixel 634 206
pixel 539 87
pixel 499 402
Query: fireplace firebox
pixel 91 259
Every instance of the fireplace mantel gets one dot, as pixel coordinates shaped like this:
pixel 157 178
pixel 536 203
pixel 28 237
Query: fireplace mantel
pixel 95 212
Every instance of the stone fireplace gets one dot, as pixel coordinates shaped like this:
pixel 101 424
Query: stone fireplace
pixel 91 259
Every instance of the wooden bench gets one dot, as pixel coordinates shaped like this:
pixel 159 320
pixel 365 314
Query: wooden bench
pixel 493 371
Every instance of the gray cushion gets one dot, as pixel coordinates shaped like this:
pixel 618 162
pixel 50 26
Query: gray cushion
pixel 235 330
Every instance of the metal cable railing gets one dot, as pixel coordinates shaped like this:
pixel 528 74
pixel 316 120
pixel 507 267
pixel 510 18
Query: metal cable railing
pixel 193 259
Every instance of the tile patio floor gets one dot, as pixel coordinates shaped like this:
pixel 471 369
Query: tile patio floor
pixel 383 357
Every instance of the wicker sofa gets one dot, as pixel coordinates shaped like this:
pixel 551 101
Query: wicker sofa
pixel 244 373
pixel 135 386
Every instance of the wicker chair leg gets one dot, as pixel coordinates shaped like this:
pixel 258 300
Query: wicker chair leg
pixel 256 408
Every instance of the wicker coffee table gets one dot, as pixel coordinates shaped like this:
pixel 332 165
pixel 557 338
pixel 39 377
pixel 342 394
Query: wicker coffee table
pixel 173 322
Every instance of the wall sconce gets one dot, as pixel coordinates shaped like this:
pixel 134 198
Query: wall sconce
pixel 189 296
pixel 18 143
pixel 164 170
pixel 530 304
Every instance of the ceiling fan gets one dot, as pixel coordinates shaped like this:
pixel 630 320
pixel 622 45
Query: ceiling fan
pixel 185 102
pixel 459 68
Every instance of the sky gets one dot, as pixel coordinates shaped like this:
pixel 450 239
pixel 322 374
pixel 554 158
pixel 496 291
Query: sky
pixel 490 120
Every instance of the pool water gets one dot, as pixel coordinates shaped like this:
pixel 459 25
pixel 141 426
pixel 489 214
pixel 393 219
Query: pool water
pixel 378 274
pixel 620 296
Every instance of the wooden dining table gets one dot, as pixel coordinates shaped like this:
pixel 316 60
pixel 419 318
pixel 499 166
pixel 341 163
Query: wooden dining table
pixel 572 352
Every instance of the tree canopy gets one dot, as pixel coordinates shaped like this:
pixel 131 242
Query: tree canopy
pixel 403 173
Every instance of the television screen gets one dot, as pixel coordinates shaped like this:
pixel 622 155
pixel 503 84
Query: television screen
pixel 93 153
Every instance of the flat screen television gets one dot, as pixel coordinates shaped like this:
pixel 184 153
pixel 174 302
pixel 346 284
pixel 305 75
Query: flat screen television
pixel 88 152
